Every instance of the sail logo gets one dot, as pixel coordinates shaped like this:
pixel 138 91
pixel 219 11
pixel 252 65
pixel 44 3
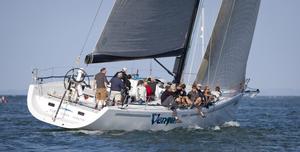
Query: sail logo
pixel 157 119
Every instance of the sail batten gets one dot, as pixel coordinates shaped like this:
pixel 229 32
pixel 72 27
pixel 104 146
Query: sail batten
pixel 225 60
pixel 139 29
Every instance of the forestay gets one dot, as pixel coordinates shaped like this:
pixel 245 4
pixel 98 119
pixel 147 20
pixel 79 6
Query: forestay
pixel 226 56
pixel 138 29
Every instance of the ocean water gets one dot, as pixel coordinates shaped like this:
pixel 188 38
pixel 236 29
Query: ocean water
pixel 263 124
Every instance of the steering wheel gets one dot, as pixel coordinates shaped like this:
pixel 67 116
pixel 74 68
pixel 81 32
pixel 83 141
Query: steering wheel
pixel 71 77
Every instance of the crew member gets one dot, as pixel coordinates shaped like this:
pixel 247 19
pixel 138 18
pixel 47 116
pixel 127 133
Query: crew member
pixel 117 86
pixel 101 87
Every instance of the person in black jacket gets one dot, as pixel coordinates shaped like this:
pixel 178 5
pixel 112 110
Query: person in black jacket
pixel 168 100
pixel 125 78
pixel 116 87
pixel 201 93
pixel 165 95
pixel 127 85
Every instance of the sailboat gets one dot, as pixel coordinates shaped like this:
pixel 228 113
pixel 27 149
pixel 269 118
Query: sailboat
pixel 143 29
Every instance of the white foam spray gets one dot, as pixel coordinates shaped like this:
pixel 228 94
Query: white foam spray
pixel 231 124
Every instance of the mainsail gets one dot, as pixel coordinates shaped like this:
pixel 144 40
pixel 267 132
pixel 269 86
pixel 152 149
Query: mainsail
pixel 139 29
pixel 226 56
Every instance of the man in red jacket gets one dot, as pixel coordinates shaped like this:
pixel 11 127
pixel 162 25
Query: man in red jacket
pixel 148 91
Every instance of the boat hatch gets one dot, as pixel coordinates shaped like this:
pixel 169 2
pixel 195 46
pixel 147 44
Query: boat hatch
pixel 51 104
pixel 80 113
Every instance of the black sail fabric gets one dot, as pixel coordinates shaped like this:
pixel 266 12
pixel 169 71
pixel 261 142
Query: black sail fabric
pixel 138 29
pixel 226 56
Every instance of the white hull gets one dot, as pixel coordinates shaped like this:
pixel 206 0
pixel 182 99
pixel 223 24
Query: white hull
pixel 133 117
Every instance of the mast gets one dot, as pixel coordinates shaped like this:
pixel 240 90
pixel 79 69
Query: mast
pixel 180 60
pixel 202 32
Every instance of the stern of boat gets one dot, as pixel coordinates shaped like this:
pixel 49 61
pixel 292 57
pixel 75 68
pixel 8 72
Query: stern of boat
pixel 43 101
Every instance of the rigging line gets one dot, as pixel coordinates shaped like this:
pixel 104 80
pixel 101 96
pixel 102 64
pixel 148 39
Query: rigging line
pixel 225 36
pixel 209 56
pixel 91 27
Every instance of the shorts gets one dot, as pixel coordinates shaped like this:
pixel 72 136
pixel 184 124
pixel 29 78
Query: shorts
pixel 115 95
pixel 101 94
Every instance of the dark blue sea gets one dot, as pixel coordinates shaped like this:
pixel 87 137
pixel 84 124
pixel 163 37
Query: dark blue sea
pixel 263 124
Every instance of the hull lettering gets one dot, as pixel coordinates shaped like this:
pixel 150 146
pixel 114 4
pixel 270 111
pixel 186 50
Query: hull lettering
pixel 157 119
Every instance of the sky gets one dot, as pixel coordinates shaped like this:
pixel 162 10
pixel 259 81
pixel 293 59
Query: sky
pixel 49 35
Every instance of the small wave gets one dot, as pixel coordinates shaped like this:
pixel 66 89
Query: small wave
pixel 216 128
pixel 195 127
pixel 118 133
pixel 231 124
pixel 88 132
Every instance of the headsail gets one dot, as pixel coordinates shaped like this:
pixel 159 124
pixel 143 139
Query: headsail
pixel 225 60
pixel 138 29
pixel 194 53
